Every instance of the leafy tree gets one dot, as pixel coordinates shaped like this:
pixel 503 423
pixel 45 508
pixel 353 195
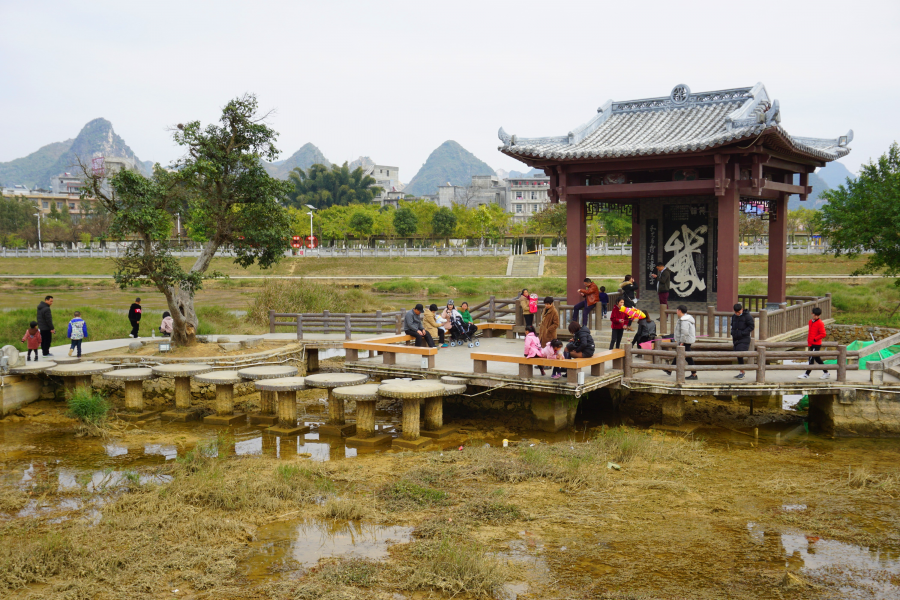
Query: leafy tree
pixel 424 211
pixel 405 222
pixel 749 226
pixel 16 217
pixel 616 226
pixel 551 221
pixel 863 215
pixel 361 224
pixel 223 194
pixel 323 187
pixel 443 223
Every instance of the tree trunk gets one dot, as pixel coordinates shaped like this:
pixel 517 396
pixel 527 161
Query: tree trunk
pixel 181 302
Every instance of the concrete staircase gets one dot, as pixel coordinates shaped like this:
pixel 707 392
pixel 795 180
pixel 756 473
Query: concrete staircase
pixel 525 265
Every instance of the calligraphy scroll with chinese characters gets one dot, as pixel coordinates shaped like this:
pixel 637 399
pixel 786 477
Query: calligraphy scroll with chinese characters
pixel 686 249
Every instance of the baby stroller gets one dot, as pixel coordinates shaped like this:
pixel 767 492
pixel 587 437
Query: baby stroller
pixel 462 332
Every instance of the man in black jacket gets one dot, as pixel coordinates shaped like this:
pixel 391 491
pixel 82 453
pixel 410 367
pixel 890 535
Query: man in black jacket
pixel 582 344
pixel 742 327
pixel 134 315
pixel 45 324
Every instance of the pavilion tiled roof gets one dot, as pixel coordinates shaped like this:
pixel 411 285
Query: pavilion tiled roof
pixel 682 122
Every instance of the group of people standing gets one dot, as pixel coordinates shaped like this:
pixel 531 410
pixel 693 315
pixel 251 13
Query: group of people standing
pixel 39 335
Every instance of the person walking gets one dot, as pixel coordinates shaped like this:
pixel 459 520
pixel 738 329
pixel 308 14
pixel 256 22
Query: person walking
pixel 77 332
pixel 663 278
pixel 412 326
pixel 618 320
pixel 591 295
pixel 549 321
pixel 134 315
pixel 814 339
pixel 742 327
pixel 685 334
pixel 45 324
pixel 32 339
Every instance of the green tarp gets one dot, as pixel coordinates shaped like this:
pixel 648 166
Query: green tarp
pixel 859 345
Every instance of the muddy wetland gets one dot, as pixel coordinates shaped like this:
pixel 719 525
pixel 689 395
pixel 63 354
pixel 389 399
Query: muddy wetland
pixel 157 510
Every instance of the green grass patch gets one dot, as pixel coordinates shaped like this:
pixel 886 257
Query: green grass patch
pixel 54 283
pixel 88 406
pixel 404 494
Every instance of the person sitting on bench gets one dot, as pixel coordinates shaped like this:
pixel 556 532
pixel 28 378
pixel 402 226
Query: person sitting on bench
pixel 412 326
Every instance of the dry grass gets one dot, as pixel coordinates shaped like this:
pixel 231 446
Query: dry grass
pixel 347 509
pixel 454 565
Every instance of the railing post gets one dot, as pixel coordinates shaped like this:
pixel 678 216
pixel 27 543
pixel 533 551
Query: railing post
pixel 828 311
pixel 325 319
pixel 662 319
pixel 626 365
pixel 680 362
pixel 842 363
pixel 761 364
pixel 711 321
pixel 271 321
pixel 763 332
pixel 347 334
pixel 520 315
pixel 492 309
pixel 378 321
pixel 299 327
pixel 399 327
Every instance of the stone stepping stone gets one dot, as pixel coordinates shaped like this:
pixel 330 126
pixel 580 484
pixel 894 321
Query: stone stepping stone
pixel 366 397
pixel 182 373
pixel 286 388
pixel 133 379
pixel 337 424
pixel 412 393
pixel 267 399
pixel 224 382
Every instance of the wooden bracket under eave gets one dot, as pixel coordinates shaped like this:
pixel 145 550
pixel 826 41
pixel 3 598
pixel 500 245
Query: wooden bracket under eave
pixel 721 186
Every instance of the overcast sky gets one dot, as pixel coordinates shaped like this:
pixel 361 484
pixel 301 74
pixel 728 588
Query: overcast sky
pixel 393 80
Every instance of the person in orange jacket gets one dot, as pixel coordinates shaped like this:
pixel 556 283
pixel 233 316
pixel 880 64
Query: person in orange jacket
pixel 814 340
pixel 591 295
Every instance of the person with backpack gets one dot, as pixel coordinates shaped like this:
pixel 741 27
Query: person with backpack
pixel 32 339
pixel 45 324
pixel 134 315
pixel 77 333
pixel 742 327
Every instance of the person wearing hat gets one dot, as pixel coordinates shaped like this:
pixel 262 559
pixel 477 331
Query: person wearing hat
pixel 412 326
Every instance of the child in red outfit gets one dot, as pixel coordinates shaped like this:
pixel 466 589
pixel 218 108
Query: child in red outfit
pixel 32 339
pixel 814 340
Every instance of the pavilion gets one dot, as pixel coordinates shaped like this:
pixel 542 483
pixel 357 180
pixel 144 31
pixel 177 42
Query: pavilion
pixel 683 166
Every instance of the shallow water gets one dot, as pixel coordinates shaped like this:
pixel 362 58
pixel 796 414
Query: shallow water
pixel 301 543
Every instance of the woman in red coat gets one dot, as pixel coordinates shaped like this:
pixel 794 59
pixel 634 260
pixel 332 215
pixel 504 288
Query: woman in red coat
pixel 619 321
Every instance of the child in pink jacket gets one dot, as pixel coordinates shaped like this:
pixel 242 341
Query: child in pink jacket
pixel 533 345
pixel 32 339
pixel 554 350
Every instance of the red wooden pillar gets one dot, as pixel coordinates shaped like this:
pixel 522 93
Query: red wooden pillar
pixel 576 248
pixel 727 246
pixel 637 272
pixel 778 250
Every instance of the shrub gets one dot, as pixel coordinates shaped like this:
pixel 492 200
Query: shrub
pixel 90 407
pixel 298 296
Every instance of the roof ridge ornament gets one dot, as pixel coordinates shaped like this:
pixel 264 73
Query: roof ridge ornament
pixel 680 94
pixel 504 137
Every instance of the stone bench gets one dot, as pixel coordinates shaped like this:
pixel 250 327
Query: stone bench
pixel 412 393
pixel 573 365
pixel 182 374
pixel 366 397
pixel 77 375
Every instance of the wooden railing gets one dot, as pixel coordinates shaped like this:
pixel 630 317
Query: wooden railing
pixel 762 356
pixel 346 323
pixel 793 314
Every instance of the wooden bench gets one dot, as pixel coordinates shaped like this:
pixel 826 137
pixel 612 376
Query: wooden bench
pixel 490 328
pixel 597 363
pixel 386 345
